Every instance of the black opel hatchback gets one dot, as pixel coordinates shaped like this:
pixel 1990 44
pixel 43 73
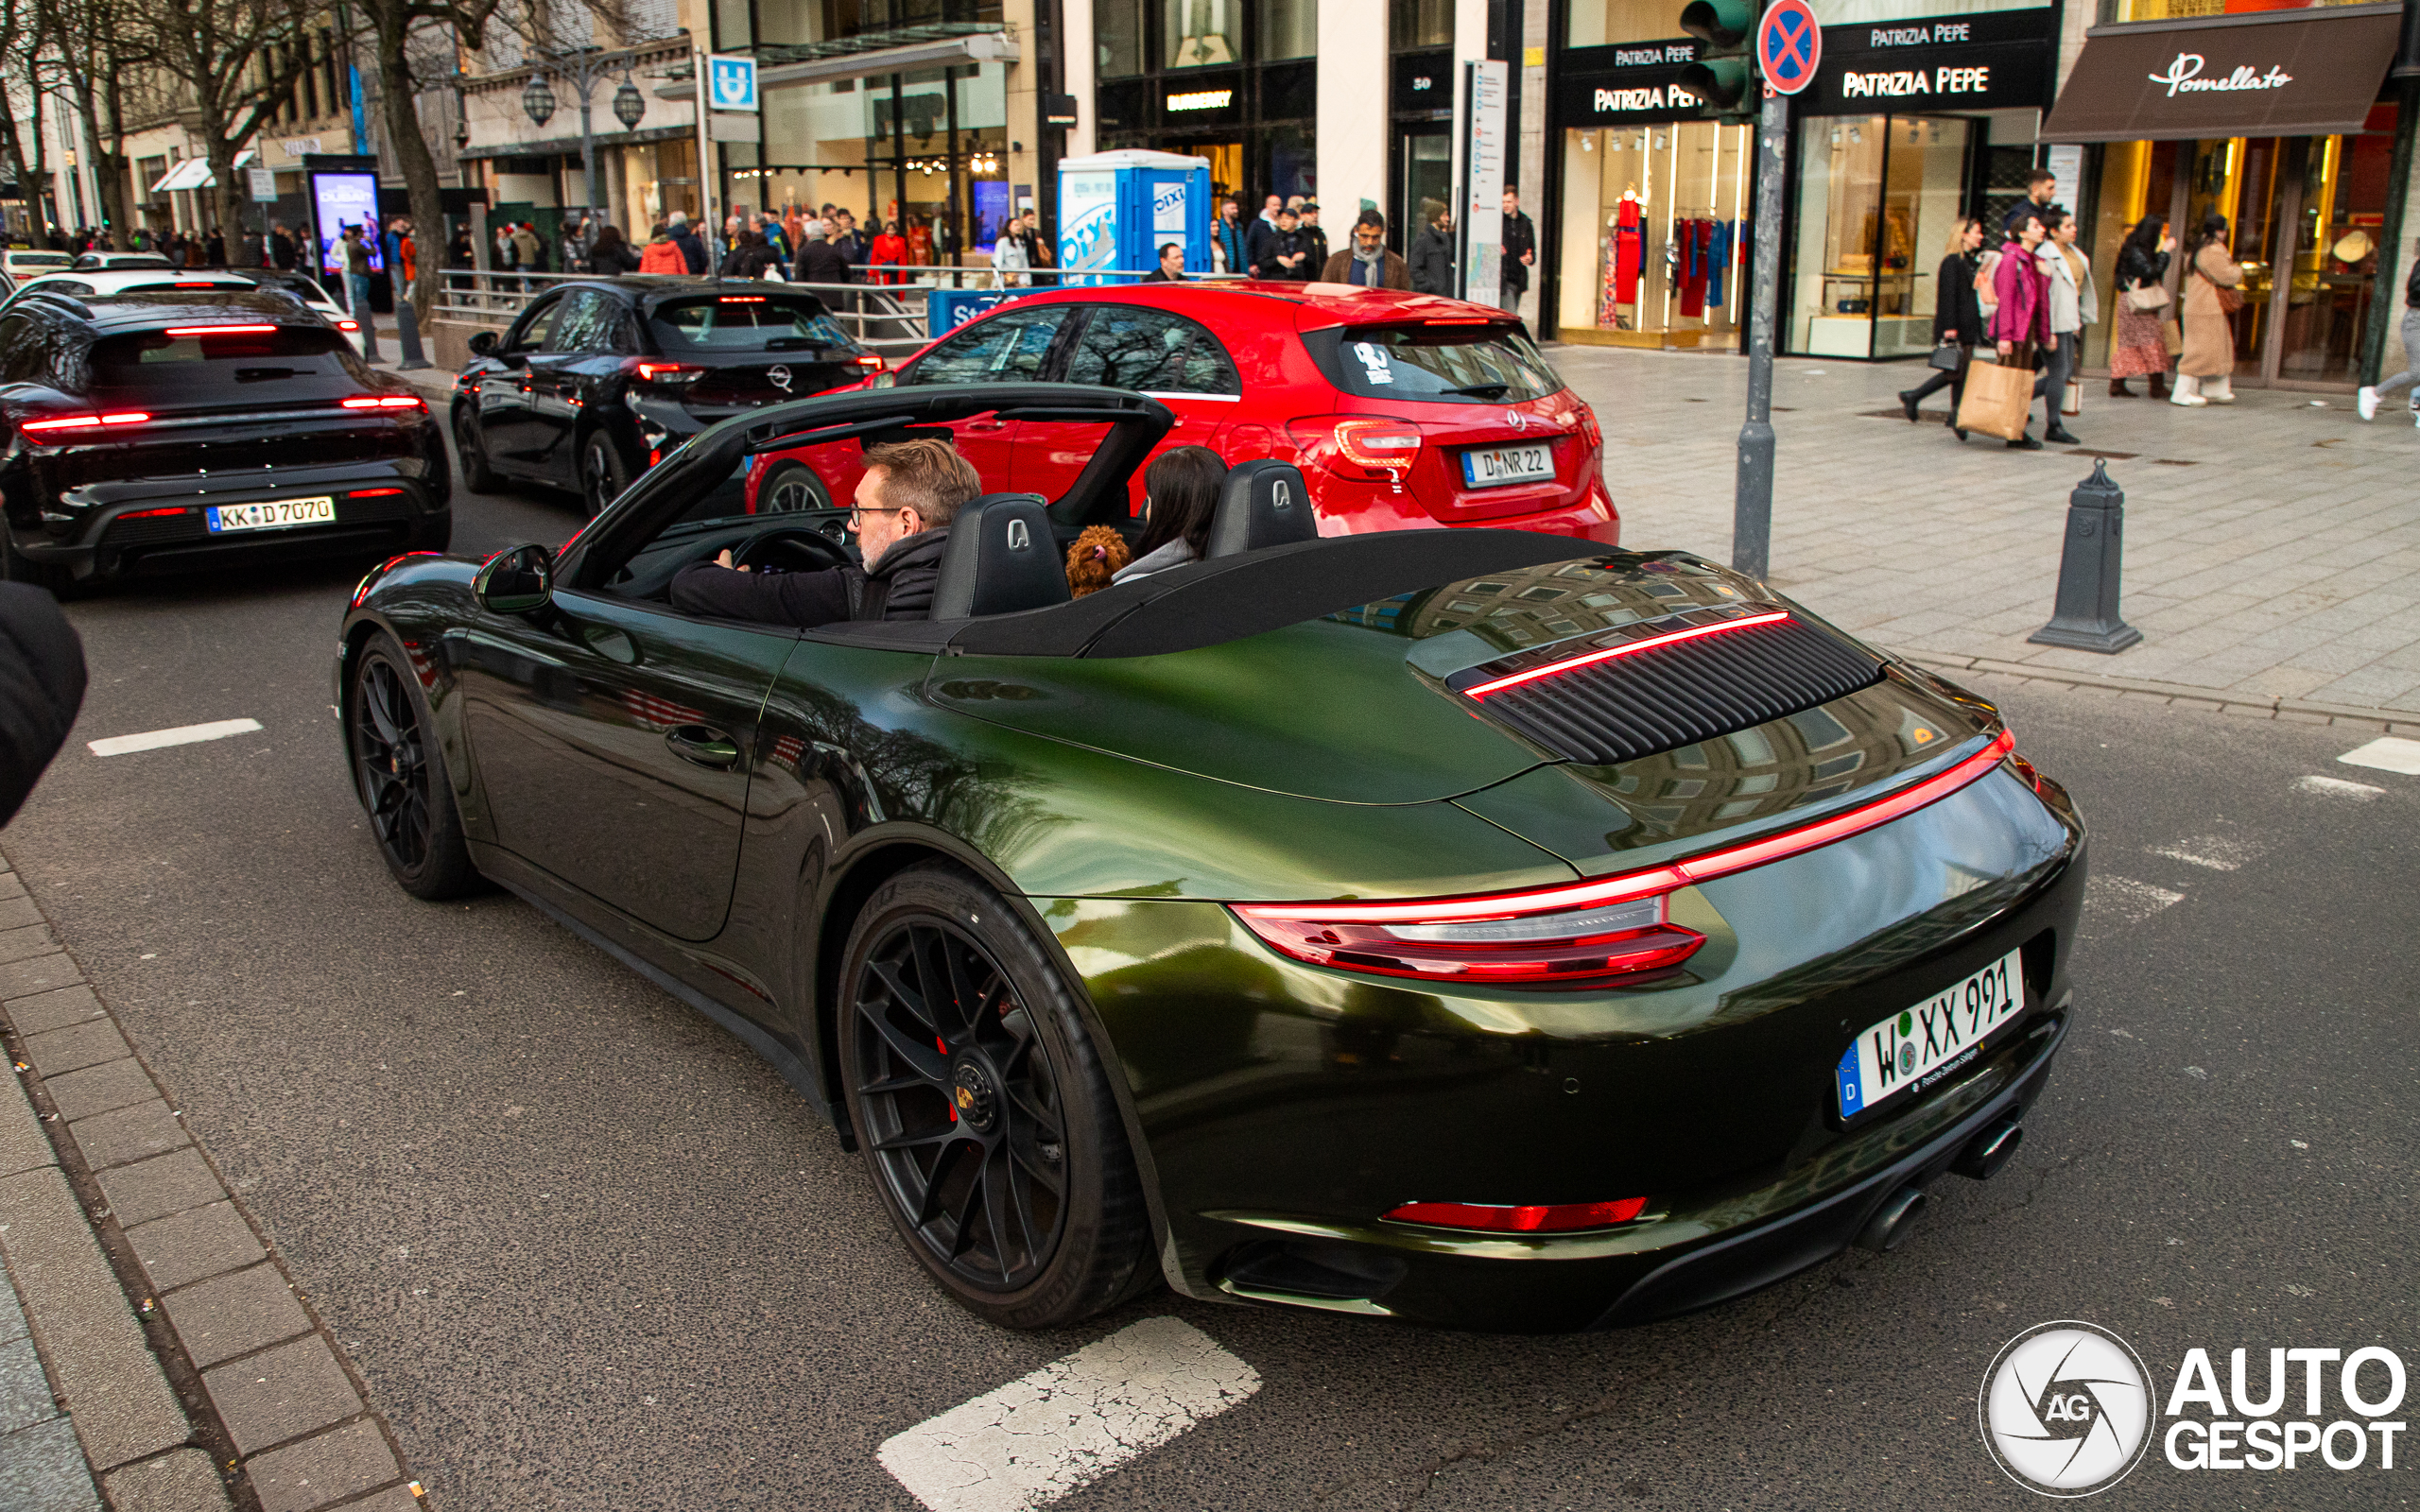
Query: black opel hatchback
pixel 597 379
pixel 179 431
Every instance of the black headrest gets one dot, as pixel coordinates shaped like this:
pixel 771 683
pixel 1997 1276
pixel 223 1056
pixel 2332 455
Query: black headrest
pixel 1261 503
pixel 1001 559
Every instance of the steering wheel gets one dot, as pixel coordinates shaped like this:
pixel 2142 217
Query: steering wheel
pixel 792 549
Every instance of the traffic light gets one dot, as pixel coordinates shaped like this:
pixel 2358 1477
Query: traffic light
pixel 1725 76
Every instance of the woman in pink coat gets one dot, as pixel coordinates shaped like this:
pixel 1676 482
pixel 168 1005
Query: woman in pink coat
pixel 2023 319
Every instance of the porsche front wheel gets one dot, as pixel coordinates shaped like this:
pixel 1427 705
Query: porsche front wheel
pixel 400 770
pixel 983 1107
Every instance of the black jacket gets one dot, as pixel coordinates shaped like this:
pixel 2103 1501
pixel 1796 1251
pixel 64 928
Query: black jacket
pixel 1432 262
pixel 2136 268
pixel 1315 241
pixel 1260 246
pixel 820 262
pixel 693 252
pixel 1520 235
pixel 747 261
pixel 618 258
pixel 1956 310
pixel 899 587
pixel 42 685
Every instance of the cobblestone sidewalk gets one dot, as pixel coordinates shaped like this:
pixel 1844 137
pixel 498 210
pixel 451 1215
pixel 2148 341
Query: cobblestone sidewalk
pixel 154 1355
pixel 2272 547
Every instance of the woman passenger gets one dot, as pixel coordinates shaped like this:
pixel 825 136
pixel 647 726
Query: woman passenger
pixel 1179 496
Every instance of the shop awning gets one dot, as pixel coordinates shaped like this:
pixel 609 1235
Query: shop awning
pixel 194 173
pixel 2286 73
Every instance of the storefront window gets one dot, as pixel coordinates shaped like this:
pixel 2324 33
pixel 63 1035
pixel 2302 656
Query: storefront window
pixel 2114 11
pixel 1205 33
pixel 1416 24
pixel 1117 30
pixel 1878 205
pixel 1653 240
pixel 1595 23
pixel 1289 28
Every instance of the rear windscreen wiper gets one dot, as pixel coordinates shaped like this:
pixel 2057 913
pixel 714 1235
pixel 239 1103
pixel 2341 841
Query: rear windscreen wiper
pixel 1483 390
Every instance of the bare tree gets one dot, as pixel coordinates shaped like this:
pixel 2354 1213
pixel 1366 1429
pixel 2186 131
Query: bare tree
pixel 401 32
pixel 101 52
pixel 26 37
pixel 237 60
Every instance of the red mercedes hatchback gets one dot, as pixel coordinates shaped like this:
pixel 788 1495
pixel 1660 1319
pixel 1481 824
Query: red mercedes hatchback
pixel 1402 410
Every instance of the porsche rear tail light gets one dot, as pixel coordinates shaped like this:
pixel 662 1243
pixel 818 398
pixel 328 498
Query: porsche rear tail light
pixel 1627 649
pixel 385 401
pixel 220 330
pixel 373 494
pixel 649 370
pixel 1550 1218
pixel 1573 934
pixel 1509 946
pixel 81 422
pixel 1361 449
pixel 154 514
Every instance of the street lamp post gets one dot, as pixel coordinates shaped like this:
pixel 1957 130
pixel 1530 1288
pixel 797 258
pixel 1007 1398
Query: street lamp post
pixel 581 71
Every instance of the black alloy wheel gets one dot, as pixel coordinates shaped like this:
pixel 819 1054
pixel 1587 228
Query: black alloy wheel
pixel 470 445
pixel 401 775
pixel 792 488
pixel 983 1110
pixel 602 477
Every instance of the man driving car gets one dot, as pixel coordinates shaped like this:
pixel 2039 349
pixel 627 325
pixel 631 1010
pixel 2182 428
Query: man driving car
pixel 903 509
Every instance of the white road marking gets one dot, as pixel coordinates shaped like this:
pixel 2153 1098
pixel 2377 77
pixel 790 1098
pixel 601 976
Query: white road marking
pixel 2387 753
pixel 2132 902
pixel 181 735
pixel 2215 852
pixel 2337 787
pixel 1069 1423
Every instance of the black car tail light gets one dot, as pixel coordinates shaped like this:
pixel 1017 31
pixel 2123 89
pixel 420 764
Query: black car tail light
pixel 85 423
pixel 872 362
pixel 385 402
pixel 653 370
pixel 255 330
pixel 1543 1219
pixel 155 514
pixel 1573 934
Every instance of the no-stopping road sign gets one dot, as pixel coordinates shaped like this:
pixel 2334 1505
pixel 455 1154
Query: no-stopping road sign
pixel 1789 45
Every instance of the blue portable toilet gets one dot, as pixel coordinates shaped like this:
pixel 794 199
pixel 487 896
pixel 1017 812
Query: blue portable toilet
pixel 1117 209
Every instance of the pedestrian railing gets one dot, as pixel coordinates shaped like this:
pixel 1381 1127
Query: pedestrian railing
pixel 883 308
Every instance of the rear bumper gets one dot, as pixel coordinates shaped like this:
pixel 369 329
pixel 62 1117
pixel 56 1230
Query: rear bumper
pixel 380 506
pixel 1347 507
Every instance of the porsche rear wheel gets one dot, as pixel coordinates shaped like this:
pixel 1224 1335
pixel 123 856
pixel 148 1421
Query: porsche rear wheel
pixel 983 1109
pixel 400 774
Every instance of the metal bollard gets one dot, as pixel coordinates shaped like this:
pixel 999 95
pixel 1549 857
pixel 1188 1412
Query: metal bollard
pixel 2085 616
pixel 407 336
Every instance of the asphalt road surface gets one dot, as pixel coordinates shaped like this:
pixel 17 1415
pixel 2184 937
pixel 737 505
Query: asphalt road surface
pixel 591 1253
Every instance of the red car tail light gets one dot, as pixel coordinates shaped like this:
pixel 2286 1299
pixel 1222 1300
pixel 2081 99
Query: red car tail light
pixel 1546 1219
pixel 872 362
pixel 348 325
pixel 650 370
pixel 220 330
pixel 1589 430
pixel 741 298
pixel 154 514
pixel 385 401
pixel 79 422
pixel 373 494
pixel 1361 449
pixel 1572 932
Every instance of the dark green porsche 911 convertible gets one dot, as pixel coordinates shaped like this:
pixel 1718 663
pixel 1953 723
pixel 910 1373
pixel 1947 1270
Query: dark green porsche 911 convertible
pixel 1472 927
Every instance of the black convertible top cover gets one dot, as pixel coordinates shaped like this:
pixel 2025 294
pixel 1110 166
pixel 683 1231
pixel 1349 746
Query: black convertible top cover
pixel 1226 598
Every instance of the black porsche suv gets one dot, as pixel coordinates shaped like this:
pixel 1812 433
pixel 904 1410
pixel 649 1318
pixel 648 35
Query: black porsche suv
pixel 185 430
pixel 599 379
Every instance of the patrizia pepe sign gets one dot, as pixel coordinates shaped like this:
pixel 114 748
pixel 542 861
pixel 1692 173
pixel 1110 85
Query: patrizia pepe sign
pixel 2185 74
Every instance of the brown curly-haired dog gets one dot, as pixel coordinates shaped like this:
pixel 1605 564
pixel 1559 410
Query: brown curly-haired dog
pixel 1096 554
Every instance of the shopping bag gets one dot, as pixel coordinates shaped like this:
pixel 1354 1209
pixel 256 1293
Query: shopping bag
pixel 2148 297
pixel 2172 336
pixel 2072 402
pixel 1998 399
pixel 1946 357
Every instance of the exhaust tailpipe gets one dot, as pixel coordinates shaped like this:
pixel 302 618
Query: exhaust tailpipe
pixel 1893 1222
pixel 1987 1152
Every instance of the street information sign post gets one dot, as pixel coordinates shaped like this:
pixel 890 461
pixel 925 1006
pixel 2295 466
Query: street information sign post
pixel 1789 46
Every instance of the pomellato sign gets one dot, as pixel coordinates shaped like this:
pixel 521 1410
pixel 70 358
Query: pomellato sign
pixel 2185 73
pixel 2281 73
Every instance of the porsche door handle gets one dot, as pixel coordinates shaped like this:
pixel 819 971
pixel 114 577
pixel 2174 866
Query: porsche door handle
pixel 703 746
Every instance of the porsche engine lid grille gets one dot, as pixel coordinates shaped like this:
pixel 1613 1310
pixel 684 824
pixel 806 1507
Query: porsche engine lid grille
pixel 1667 682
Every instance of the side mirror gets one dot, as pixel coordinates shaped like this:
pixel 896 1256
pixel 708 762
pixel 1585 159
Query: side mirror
pixel 516 580
pixel 483 343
